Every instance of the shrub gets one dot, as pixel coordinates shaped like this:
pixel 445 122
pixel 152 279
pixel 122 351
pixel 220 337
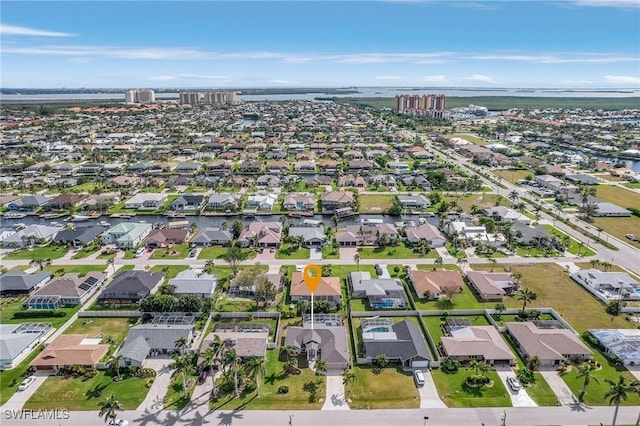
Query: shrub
pixel 450 365
pixel 38 314
pixel 525 376
pixel 283 389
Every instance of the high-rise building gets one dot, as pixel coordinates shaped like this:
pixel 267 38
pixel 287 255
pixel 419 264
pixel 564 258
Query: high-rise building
pixel 191 98
pixel 221 98
pixel 139 96
pixel 430 105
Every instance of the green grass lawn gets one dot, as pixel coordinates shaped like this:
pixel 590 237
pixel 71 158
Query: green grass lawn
pixel 375 203
pixel 169 271
pixel 541 392
pixel 574 247
pixel 383 389
pixel 77 395
pixel 235 305
pixel 59 270
pixel 401 251
pixel 464 300
pixel 456 394
pixel 286 251
pixel 114 328
pixel 46 252
pixel 175 399
pixel 11 379
pixel 329 252
pixel 87 251
pixel 483 200
pixel 268 398
pixel 621 196
pixel 359 305
pixel 513 175
pixel 617 226
pixel 216 252
pixel 178 251
pixel 84 187
pixel 343 270
pixel 554 288
pixel 56 322
pixel 476 140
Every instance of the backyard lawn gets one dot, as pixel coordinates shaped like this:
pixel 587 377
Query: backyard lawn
pixel 268 399
pixel 401 251
pixel 464 300
pixel 46 252
pixel 286 251
pixel 513 175
pixel 480 200
pixel 114 328
pixel 216 252
pixel 59 270
pixel 383 389
pixel 374 203
pixel 433 324
pixel 178 251
pixel 554 288
pixel 76 394
pixel 456 394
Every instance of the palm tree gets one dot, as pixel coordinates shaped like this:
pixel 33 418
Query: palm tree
pixel 526 296
pixel 348 377
pixel 493 262
pixel 617 393
pixel 254 366
pixel 182 365
pixel 439 261
pixel 533 363
pixel 513 196
pixel 40 263
pixel 108 409
pixel 181 344
pixel 111 262
pixel 585 371
pixel 356 258
pixel 114 362
pixel 382 360
pixel 321 366
pixel 231 359
pixel 462 259
pixel 209 360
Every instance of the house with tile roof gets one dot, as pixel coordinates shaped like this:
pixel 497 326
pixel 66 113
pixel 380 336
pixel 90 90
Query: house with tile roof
pixel 433 284
pixel 328 289
pixel 68 350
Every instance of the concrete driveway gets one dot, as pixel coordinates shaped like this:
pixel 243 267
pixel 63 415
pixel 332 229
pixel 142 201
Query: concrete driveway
pixel 266 255
pixel 16 402
pixel 429 397
pixel 558 386
pixel 348 253
pixel 315 254
pixel 518 399
pixel 385 272
pixel 334 398
pixel 155 398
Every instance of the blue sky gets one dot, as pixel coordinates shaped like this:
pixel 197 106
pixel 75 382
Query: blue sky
pixel 216 44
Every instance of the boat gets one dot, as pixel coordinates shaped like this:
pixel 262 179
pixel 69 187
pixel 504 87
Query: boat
pixel 52 215
pixel 94 215
pixel 104 223
pixel 78 218
pixel 122 216
pixel 371 221
pixel 175 214
pixel 15 215
pixel 301 214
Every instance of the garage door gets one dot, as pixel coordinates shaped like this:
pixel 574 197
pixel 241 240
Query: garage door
pixel 420 364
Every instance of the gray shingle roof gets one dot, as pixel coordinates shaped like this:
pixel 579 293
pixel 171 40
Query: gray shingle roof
pixel 409 343
pixel 17 280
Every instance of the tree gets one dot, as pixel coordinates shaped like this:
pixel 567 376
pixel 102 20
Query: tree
pixel 614 308
pixel 321 366
pixel 254 366
pixel 513 196
pixel 500 307
pixel 493 262
pixel 181 344
pixel 234 256
pixel 265 290
pixel 111 262
pixel 617 393
pixel 40 263
pixel 526 296
pixel 182 366
pixel 236 228
pixel 439 261
pixel 382 360
pixel 585 371
pixel 533 363
pixel 215 347
pixel 232 360
pixel 114 362
pixel 356 258
pixel 348 377
pixel 108 409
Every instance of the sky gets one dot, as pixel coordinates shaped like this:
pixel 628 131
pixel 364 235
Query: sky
pixel 393 43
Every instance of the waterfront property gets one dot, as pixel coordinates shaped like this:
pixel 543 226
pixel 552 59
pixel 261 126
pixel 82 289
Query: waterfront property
pixel 380 293
pixel 127 235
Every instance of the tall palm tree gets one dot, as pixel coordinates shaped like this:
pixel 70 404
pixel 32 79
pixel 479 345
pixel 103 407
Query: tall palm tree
pixel 348 377
pixel 232 360
pixel 526 296
pixel 181 344
pixel 255 367
pixel 209 360
pixel 513 196
pixel 493 262
pixel 585 371
pixel 111 262
pixel 356 258
pixel 182 366
pixel 439 261
pixel 108 409
pixel 617 393
pixel 114 362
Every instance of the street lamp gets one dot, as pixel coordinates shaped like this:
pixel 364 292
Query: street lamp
pixel 425 419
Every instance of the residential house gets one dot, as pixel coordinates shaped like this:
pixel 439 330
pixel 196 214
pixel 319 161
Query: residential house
pixel 18 340
pixel 328 289
pixel 414 201
pixel 127 235
pixel 433 284
pixel 219 167
pixel 369 235
pixel 29 203
pixel 474 234
pixel 354 181
pixel 481 343
pixel 311 236
pixel 150 340
pixel 490 286
pixel 251 166
pixel 78 237
pixel 146 201
pixel 18 282
pixel 188 167
pixel 261 234
pixel 304 166
pixel 246 340
pixel 425 232
pixel 130 287
pixel 360 166
pixel 381 293
pixel 212 236
pixel 334 200
pixel 623 344
pixel 277 166
pixel 550 344
pixel 66 201
pixel 268 181
pixel 320 343
pixel 188 202
pixel 506 215
pixel 68 350
pixel 608 285
pixel 68 290
pixel 299 202
pixel 188 282
pixel 30 235
pixel 400 342
pixel 166 237
pixel 224 202
pixel 398 165
pixel 264 202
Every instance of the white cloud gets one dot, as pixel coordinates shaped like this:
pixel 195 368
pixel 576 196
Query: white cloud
pixel 480 78
pixel 162 78
pixel 622 79
pixel 609 3
pixel 80 60
pixel 434 79
pixel 389 77
pixel 34 32
pixel 551 59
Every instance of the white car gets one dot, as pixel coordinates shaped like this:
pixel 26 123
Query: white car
pixel 514 384
pixel 26 383
pixel 121 422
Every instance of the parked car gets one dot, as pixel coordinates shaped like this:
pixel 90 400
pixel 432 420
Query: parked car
pixel 514 384
pixel 202 377
pixel 261 250
pixel 192 253
pixel 121 422
pixel 26 383
pixel 272 250
pixel 418 376
pixel 632 237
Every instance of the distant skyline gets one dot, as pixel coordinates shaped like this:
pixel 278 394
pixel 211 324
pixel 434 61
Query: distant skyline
pixel 219 44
